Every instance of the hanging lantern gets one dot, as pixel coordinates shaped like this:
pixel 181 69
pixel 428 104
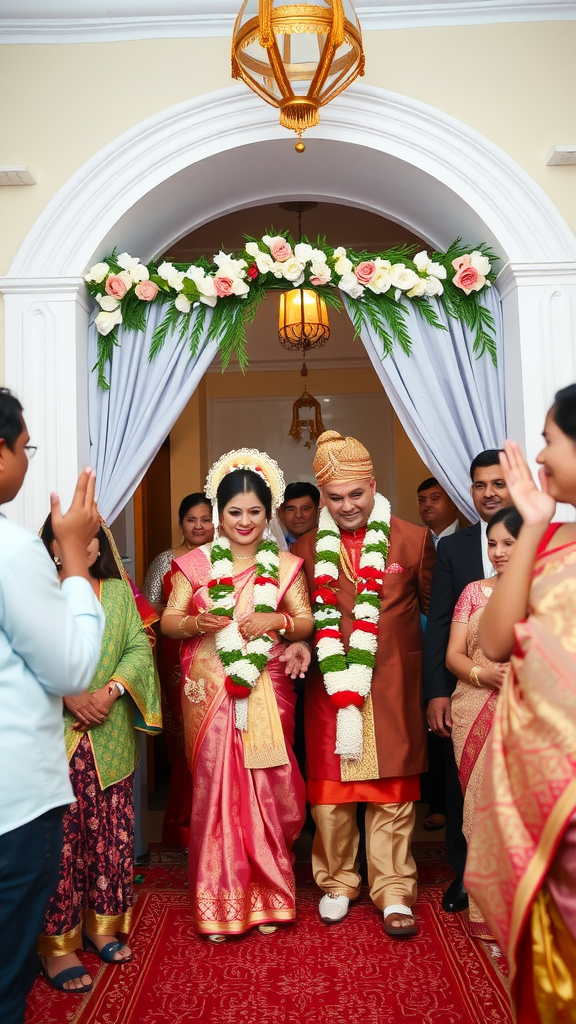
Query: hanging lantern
pixel 297 56
pixel 313 426
pixel 302 320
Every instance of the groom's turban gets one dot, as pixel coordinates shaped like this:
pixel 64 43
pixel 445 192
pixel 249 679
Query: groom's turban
pixel 339 459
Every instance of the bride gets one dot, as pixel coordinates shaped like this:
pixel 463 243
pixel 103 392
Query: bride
pixel 235 603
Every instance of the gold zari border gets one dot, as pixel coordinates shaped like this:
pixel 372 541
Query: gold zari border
pixel 237 927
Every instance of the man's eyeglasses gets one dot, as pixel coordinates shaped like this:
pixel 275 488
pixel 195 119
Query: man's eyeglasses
pixel 30 450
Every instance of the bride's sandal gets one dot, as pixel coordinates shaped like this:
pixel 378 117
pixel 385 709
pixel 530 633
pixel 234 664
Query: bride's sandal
pixel 216 939
pixel 267 929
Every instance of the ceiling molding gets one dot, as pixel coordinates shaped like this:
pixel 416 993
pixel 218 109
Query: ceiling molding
pixel 285 363
pixel 24 21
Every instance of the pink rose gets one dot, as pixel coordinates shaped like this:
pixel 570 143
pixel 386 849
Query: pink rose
pixel 461 261
pixel 146 290
pixel 281 250
pixel 469 280
pixel 223 286
pixel 115 286
pixel 365 272
pixel 319 280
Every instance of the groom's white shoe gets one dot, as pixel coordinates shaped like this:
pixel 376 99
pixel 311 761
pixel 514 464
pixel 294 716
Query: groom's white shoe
pixel 333 908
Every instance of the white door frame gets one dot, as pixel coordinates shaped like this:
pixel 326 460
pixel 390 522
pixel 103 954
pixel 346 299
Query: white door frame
pixel 456 173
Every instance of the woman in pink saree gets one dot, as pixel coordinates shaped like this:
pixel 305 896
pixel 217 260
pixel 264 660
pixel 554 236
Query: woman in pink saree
pixel 235 603
pixel 522 857
pixel 479 681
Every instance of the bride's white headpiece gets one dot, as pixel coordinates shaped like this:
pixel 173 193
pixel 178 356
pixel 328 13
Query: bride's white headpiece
pixel 257 462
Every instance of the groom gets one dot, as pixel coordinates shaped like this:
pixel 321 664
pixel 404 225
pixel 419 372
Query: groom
pixel 391 561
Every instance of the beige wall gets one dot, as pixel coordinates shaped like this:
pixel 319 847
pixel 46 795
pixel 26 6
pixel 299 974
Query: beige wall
pixel 188 442
pixel 514 83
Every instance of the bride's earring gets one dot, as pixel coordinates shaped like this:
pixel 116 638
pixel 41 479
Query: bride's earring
pixel 57 562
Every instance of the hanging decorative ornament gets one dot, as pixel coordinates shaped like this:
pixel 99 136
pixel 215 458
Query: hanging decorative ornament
pixel 302 316
pixel 297 56
pixel 313 426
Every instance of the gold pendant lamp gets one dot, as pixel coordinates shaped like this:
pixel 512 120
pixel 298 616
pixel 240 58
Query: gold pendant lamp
pixel 297 56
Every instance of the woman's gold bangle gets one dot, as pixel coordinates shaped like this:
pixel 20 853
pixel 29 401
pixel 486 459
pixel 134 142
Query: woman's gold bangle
pixel 474 676
pixel 182 626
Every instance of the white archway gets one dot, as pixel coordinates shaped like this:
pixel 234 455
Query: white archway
pixel 224 151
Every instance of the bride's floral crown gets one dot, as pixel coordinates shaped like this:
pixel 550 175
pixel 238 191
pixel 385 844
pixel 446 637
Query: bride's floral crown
pixel 252 459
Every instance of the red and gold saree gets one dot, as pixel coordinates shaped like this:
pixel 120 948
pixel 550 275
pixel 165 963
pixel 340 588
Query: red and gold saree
pixel 522 857
pixel 248 798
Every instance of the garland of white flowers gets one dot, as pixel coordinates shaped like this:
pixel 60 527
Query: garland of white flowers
pixel 243 661
pixel 348 677
pixel 378 288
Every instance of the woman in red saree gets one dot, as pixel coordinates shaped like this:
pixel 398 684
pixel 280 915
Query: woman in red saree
pixel 522 857
pixel 479 680
pixel 248 799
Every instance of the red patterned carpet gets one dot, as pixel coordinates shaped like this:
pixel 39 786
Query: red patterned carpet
pixel 304 974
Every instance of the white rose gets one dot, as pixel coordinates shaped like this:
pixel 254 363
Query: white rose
pixel 265 264
pixel 381 281
pixel 433 286
pixel 106 322
pixel 480 263
pixel 303 252
pixel 196 274
pixel 343 265
pixel 126 261
pixel 277 269
pixel 382 264
pixel 318 255
pixel 252 249
pixel 437 270
pixel 318 269
pixel 228 266
pixel 422 261
pixel 182 304
pixel 418 289
pixel 207 290
pixel 349 284
pixel 175 278
pixel 292 269
pixel 97 273
pixel 107 302
pixel 139 273
pixel 340 251
pixel 403 278
pixel 125 276
pixel 240 287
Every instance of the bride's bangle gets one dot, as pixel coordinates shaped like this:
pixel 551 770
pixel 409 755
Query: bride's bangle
pixel 182 626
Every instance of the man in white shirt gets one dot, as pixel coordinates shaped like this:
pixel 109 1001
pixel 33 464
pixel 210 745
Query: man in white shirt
pixel 50 640
pixel 437 510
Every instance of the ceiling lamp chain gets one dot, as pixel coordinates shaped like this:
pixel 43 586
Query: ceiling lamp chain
pixel 297 56
pixel 303 315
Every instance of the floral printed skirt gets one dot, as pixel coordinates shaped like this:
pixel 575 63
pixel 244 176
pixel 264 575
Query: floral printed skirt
pixel 95 882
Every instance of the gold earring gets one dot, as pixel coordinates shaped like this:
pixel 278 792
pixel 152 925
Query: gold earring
pixel 57 562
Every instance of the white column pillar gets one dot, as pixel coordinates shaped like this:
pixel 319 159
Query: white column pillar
pixel 46 367
pixel 539 304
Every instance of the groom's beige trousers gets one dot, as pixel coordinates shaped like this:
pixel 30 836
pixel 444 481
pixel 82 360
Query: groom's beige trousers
pixel 392 873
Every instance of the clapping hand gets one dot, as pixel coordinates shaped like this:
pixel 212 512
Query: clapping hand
pixel 535 506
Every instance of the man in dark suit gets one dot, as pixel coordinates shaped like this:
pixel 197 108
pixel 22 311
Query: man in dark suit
pixel 461 559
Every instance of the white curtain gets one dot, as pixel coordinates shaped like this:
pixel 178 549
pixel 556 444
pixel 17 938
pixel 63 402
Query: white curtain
pixel 450 403
pixel 129 422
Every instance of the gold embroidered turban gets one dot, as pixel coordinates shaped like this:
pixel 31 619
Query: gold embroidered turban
pixel 339 459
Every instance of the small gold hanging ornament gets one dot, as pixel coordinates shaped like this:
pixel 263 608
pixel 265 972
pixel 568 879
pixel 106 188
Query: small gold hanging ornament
pixel 313 426
pixel 297 56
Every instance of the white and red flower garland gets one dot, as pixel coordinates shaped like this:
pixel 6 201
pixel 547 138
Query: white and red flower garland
pixel 244 661
pixel 348 676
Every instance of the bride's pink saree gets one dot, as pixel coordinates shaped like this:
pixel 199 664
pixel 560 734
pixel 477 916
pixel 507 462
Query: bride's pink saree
pixel 248 797
pixel 522 855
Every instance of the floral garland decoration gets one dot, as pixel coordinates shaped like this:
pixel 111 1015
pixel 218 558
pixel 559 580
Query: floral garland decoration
pixel 377 288
pixel 348 677
pixel 243 661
